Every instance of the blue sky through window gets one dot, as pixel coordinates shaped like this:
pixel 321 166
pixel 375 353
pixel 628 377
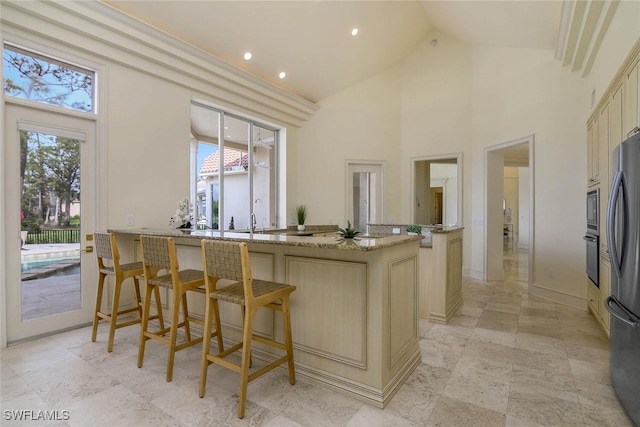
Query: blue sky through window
pixel 34 77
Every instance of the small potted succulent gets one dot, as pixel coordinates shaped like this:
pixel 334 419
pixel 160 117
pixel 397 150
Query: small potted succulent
pixel 414 230
pixel 301 213
pixel 349 232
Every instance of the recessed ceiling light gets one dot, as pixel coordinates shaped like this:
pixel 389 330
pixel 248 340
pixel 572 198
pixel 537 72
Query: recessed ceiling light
pixel 354 32
pixel 282 74
pixel 248 56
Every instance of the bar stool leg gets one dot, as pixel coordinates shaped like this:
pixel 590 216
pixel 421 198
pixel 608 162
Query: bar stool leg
pixel 136 288
pixel 156 292
pixel 185 316
pixel 286 317
pixel 117 286
pixel 246 361
pixel 96 318
pixel 173 333
pixel 145 323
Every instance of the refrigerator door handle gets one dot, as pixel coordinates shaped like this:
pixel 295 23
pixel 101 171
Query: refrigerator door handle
pixel 631 319
pixel 612 208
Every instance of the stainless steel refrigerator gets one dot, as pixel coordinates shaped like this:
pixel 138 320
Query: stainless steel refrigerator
pixel 623 236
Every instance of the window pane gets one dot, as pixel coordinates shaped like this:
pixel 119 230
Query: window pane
pixel 37 78
pixel 264 177
pixel 235 196
pixel 50 224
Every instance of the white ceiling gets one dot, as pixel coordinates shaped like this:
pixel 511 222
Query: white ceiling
pixel 311 39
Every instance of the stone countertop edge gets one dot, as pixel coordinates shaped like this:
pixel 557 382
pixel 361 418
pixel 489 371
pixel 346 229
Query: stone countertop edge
pixel 357 244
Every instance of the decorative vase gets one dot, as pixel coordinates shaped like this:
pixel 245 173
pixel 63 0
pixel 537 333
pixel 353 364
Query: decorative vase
pixel 301 227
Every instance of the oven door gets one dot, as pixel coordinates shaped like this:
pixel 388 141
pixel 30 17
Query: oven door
pixel 593 211
pixel 593 264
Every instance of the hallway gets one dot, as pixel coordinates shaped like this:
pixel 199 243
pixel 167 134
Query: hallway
pixel 506 359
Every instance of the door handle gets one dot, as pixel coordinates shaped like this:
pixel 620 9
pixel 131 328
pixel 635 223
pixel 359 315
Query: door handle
pixel 627 317
pixel 87 249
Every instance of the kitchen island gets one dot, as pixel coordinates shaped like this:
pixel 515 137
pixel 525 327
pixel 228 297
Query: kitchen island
pixel 354 314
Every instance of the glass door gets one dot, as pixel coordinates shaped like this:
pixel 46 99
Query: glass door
pixel 50 205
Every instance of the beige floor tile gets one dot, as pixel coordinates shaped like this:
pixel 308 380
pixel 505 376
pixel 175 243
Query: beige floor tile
pixel 452 412
pixel 507 358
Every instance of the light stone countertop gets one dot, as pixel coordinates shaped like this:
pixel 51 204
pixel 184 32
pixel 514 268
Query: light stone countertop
pixel 360 243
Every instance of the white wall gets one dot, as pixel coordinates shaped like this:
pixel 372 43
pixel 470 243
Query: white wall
pixel 436 102
pixel 622 34
pixel 359 123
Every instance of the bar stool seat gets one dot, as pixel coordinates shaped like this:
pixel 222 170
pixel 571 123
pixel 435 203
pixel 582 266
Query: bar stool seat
pixel 159 255
pixel 109 264
pixel 230 260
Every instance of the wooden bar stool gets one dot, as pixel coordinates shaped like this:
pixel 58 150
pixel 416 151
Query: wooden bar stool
pixel 109 265
pixel 159 256
pixel 230 260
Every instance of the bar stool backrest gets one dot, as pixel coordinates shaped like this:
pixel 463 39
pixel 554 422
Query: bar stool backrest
pixel 156 251
pixel 106 248
pixel 228 260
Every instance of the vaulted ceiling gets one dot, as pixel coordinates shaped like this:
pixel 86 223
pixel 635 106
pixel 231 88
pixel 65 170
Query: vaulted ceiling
pixel 311 40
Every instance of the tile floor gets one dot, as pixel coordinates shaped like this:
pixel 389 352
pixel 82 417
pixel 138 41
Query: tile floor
pixel 506 359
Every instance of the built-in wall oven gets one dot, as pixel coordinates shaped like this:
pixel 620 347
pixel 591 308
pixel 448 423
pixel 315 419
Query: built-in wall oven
pixel 592 237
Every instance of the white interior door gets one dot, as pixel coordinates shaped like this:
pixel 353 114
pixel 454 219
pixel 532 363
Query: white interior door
pixel 50 280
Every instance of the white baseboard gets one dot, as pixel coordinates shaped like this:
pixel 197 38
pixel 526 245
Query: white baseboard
pixel 560 297
pixel 474 274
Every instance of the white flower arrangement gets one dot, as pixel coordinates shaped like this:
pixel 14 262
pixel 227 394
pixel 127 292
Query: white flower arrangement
pixel 183 214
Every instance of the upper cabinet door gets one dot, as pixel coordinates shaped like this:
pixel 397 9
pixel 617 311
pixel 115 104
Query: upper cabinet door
pixel 593 152
pixel 616 128
pixel 632 98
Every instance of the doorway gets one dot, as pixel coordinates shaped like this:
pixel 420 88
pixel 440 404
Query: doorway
pixel 50 192
pixel 365 192
pixel 436 189
pixel 503 163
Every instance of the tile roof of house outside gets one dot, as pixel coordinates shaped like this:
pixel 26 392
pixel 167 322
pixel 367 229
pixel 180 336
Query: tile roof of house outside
pixel 232 158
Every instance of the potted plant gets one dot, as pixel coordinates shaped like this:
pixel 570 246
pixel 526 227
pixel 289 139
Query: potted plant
pixel 349 232
pixel 414 230
pixel 301 212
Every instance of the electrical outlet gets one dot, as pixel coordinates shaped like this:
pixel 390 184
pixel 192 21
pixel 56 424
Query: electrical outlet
pixel 552 274
pixel 130 220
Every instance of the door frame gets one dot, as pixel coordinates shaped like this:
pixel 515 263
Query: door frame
pixel 8 217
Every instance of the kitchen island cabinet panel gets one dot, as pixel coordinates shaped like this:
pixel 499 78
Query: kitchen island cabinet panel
pixel 335 328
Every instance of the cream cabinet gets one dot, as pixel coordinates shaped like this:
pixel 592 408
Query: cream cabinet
pixel 616 128
pixel 593 298
pixel 632 97
pixel 615 116
pixel 605 290
pixel 593 153
pixel 603 160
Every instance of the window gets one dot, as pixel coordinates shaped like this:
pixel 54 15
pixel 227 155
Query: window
pixel 244 195
pixel 28 75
